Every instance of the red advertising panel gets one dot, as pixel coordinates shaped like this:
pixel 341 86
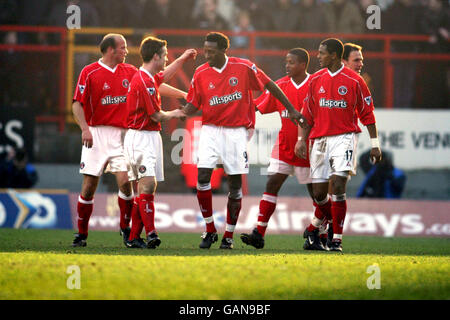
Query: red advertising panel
pixel 180 213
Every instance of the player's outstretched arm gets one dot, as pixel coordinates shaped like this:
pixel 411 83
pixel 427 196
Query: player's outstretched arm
pixel 295 115
pixel 78 113
pixel 300 149
pixel 168 91
pixel 189 109
pixel 161 116
pixel 375 152
pixel 172 68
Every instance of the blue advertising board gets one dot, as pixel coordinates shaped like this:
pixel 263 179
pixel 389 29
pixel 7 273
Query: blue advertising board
pixel 37 209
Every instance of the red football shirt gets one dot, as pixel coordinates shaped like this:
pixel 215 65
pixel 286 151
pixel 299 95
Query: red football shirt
pixel 336 101
pixel 225 95
pixel 103 93
pixel 287 137
pixel 143 100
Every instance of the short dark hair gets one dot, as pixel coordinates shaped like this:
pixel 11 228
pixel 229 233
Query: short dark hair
pixel 348 48
pixel 302 55
pixel 109 41
pixel 334 45
pixel 150 46
pixel 222 40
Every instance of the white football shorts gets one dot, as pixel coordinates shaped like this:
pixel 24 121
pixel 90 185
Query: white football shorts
pixel 333 155
pixel 224 145
pixel 107 150
pixel 144 154
pixel 278 166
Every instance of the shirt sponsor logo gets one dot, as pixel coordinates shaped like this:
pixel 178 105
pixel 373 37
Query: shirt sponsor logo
pixel 342 90
pixel 225 99
pixel 328 103
pixel 368 100
pixel 113 100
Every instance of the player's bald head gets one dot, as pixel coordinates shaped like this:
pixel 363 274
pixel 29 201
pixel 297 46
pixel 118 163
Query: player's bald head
pixel 110 40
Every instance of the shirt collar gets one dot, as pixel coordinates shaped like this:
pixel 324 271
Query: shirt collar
pixel 223 67
pixel 148 73
pixel 298 86
pixel 333 74
pixel 106 67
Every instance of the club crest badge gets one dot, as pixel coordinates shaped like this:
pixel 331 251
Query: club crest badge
pixel 233 81
pixel 342 90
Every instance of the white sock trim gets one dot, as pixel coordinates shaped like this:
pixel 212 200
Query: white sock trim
pixel 262 224
pixel 124 196
pixel 230 227
pixel 269 198
pixel 338 197
pixel 209 219
pixel 321 203
pixel 316 222
pixel 85 201
pixel 203 187
pixel 337 236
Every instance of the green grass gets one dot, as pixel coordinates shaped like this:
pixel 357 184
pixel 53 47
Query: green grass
pixel 33 265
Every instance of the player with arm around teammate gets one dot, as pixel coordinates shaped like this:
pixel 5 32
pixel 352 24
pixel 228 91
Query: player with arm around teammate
pixel 336 99
pixel 222 89
pixel 99 107
pixel 143 144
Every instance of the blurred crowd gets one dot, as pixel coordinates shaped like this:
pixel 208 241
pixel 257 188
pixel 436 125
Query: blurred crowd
pixel 416 83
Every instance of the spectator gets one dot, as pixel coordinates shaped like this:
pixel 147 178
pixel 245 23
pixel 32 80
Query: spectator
pixel 16 172
pixel 243 23
pixel 403 18
pixel 208 17
pixel 432 87
pixel 284 16
pixel 307 22
pixel 157 14
pixel 259 12
pixel 382 180
pixel 344 17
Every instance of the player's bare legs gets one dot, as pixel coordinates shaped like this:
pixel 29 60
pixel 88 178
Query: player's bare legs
pixel 125 202
pixel 204 197
pixel 234 205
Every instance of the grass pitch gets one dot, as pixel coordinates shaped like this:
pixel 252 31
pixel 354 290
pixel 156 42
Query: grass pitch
pixel 34 265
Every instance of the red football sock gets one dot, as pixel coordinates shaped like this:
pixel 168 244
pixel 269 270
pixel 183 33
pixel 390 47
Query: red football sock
pixel 204 198
pixel 147 211
pixel 267 206
pixel 326 209
pixel 125 206
pixel 233 210
pixel 136 221
pixel 338 210
pixel 84 209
